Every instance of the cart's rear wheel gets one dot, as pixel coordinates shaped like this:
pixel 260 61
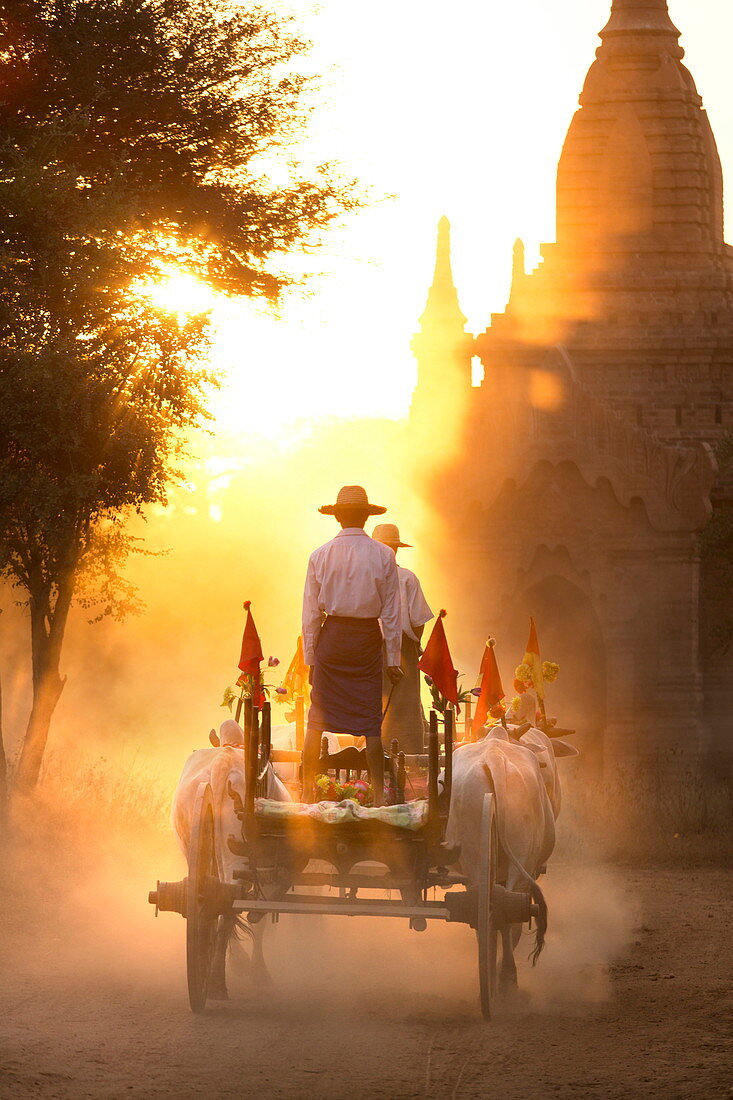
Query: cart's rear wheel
pixel 202 898
pixel 486 932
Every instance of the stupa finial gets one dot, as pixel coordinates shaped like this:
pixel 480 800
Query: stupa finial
pixel 442 304
pixel 639 17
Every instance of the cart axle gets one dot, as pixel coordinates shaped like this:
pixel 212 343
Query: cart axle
pixel 169 897
pixel 365 907
pixel 507 906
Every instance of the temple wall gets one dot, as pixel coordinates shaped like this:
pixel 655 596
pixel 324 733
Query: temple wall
pixel 595 575
pixel 584 475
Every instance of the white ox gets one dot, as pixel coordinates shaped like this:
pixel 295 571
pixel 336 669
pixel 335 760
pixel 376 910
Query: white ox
pixel 219 766
pixel 524 779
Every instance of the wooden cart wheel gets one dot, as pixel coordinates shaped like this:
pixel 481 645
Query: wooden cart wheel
pixel 202 914
pixel 486 932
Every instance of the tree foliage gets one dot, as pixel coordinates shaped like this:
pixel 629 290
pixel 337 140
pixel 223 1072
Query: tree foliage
pixel 134 133
pixel 187 105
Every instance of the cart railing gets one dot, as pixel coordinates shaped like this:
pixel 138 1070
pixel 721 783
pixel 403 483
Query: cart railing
pixel 259 754
pixel 438 807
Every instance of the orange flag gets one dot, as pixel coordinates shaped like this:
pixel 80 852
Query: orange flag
pixel 532 659
pixel 482 667
pixel 437 663
pixel 251 655
pixel 491 690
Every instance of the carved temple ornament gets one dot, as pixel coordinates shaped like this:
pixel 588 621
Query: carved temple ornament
pixel 673 482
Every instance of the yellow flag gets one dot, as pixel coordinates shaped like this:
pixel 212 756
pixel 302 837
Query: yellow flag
pixel 296 678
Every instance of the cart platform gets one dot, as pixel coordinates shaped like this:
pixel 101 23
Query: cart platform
pixel 406 815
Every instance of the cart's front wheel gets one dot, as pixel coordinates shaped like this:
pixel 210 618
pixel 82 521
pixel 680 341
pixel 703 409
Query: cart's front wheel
pixel 485 927
pixel 202 898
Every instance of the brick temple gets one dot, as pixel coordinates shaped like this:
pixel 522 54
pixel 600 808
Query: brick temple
pixel 585 473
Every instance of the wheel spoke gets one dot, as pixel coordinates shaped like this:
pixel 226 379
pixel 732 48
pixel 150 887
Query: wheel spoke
pixel 485 928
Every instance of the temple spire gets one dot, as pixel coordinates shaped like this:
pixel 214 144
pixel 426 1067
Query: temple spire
pixel 640 20
pixel 639 169
pixel 442 304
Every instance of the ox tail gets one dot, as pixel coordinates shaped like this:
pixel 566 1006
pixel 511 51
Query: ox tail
pixel 241 929
pixel 538 898
pixel 498 782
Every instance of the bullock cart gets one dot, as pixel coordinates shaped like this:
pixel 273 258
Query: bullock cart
pixel 385 862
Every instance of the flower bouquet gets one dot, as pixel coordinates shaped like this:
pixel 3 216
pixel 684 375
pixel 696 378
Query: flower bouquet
pixel 358 790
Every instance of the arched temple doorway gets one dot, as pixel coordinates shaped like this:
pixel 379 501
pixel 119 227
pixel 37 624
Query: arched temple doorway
pixel 570 634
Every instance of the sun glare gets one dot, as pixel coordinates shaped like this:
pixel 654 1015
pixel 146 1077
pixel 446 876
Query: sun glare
pixel 181 293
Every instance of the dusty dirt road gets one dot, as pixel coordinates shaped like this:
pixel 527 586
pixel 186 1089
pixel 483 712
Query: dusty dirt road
pixel 632 998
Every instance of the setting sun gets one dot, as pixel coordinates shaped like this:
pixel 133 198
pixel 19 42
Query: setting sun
pixel 180 292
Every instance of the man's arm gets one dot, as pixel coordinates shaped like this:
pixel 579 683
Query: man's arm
pixel 311 614
pixel 391 615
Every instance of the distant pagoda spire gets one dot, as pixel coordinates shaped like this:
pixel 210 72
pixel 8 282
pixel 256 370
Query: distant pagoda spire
pixel 518 267
pixel 443 349
pixel 442 305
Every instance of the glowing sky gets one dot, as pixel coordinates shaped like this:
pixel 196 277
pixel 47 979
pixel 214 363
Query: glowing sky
pixel 456 108
pixel 459 109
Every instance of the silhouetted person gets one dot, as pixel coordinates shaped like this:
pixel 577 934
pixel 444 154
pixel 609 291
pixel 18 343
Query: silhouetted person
pixel 404 715
pixel 351 584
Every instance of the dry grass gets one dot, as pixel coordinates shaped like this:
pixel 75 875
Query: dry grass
pixel 83 814
pixel 92 837
pixel 127 797
pixel 646 815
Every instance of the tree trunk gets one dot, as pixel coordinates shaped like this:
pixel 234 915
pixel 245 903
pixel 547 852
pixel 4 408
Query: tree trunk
pixel 3 772
pixel 45 697
pixel 47 635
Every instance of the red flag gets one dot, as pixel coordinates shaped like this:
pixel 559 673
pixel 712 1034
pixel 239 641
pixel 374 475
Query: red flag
pixel 437 663
pixel 251 655
pixel 491 690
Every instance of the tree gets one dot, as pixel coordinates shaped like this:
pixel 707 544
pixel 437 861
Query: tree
pixel 135 134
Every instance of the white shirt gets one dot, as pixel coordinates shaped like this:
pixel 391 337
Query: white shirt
pixel 354 576
pixel 415 609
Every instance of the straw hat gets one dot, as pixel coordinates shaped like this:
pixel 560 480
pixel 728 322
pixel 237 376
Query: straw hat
pixel 389 534
pixel 352 498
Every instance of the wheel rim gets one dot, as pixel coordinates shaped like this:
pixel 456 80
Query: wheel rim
pixel 485 928
pixel 201 899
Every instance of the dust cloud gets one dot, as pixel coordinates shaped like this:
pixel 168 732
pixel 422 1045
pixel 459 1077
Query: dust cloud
pixel 592 917
pixel 357 967
pixel 76 873
pixel 76 917
pixel 142 694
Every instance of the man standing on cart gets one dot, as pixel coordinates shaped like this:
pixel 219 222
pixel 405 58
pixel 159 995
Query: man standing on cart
pixel 403 714
pixel 351 584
